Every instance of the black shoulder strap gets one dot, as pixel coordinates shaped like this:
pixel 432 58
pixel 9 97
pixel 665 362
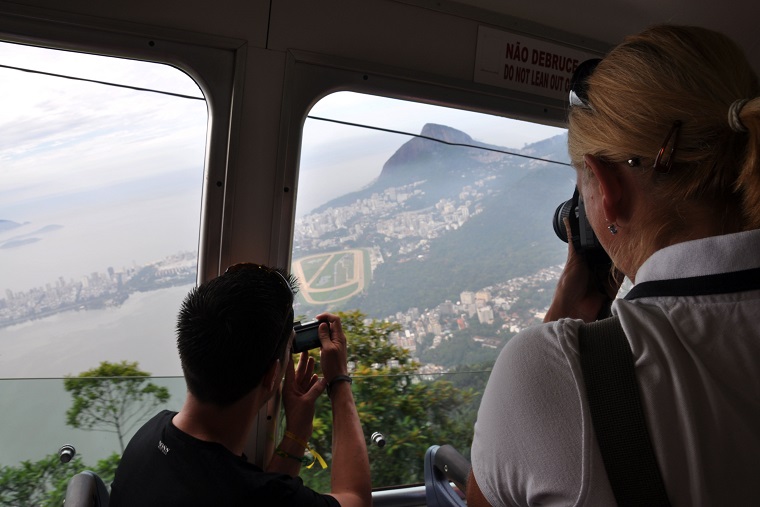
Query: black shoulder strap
pixel 617 416
pixel 720 283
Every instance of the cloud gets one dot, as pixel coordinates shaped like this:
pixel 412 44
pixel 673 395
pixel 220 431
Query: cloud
pixel 18 242
pixel 62 137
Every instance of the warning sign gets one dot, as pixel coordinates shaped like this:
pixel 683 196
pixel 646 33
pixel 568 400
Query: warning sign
pixel 525 64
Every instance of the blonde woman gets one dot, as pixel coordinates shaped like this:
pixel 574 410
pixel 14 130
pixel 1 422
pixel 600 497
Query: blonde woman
pixel 664 134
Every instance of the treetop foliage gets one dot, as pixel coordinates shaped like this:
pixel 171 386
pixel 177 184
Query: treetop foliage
pixel 112 397
pixel 44 482
pixel 413 411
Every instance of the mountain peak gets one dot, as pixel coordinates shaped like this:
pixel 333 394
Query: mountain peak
pixel 417 149
pixel 445 133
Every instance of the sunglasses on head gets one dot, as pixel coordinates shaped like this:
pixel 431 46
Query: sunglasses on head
pixel 579 98
pixel 251 265
pixel 286 330
pixel 578 84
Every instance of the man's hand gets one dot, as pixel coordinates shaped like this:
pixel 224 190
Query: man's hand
pixel 349 480
pixel 333 350
pixel 299 394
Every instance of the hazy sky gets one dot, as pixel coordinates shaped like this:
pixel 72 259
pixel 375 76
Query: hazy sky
pixel 122 170
pixel 64 136
pixel 355 156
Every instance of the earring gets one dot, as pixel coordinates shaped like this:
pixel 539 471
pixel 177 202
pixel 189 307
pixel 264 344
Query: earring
pixel 613 229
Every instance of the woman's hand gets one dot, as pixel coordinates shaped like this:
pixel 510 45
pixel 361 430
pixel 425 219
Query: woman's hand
pixel 582 292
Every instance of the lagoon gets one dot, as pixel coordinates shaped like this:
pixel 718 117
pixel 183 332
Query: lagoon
pixel 142 330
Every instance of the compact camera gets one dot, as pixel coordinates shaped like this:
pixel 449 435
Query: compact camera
pixel 307 335
pixel 584 240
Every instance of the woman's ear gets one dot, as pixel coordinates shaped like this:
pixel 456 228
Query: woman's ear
pixel 610 181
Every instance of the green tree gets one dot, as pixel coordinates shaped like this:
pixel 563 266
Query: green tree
pixel 411 410
pixel 44 482
pixel 113 397
pixel 29 483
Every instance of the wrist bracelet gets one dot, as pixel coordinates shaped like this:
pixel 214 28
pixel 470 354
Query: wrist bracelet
pixel 314 453
pixel 338 378
pixel 302 459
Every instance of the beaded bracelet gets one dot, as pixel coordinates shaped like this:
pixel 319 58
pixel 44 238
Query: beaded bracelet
pixel 302 459
pixel 305 445
pixel 338 378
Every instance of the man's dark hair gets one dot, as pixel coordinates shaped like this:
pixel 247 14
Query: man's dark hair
pixel 232 328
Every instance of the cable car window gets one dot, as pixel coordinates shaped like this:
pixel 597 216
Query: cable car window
pixel 102 166
pixel 430 228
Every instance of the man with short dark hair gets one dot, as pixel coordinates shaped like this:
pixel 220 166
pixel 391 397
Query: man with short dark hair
pixel 234 336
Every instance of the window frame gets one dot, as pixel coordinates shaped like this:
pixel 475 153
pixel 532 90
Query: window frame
pixel 309 77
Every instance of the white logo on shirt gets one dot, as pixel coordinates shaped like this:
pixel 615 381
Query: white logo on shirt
pixel 163 448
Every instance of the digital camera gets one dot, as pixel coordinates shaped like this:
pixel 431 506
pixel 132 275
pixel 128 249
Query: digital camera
pixel 584 240
pixel 307 335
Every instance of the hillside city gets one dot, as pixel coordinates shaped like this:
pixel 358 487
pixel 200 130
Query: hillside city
pixel 491 306
pixel 383 222
pixel 402 232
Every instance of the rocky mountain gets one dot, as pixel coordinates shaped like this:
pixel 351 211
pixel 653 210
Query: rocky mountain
pixel 434 141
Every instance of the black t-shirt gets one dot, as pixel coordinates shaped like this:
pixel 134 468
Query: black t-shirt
pixel 165 466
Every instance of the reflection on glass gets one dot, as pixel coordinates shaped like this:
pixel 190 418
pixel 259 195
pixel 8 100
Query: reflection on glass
pixel 42 415
pixel 445 238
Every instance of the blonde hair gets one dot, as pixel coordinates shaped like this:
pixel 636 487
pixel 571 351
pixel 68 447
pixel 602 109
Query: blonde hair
pixel 664 75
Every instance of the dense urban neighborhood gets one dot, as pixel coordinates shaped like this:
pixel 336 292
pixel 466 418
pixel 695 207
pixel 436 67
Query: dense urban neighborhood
pixel 96 290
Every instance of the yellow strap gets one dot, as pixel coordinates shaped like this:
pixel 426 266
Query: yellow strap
pixel 314 453
pixel 296 439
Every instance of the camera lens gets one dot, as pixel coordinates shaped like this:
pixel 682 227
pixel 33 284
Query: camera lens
pixel 563 210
